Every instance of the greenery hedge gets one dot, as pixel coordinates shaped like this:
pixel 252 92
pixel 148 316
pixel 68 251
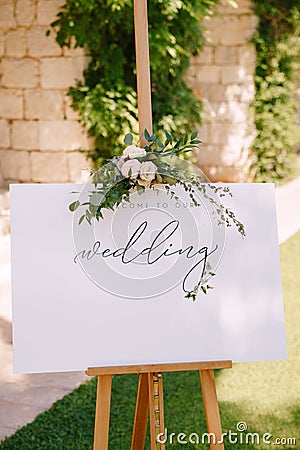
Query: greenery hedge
pixel 277 43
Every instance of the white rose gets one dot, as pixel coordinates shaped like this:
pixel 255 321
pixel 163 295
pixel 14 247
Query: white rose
pixel 134 152
pixel 148 171
pixel 133 166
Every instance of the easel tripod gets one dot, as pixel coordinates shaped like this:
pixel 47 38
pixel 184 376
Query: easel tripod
pixel 150 398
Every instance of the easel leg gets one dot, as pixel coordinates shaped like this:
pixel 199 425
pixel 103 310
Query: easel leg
pixel 211 408
pixel 102 412
pixel 141 414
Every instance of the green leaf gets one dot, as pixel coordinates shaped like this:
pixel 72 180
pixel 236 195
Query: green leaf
pixel 73 206
pixel 194 135
pixel 147 135
pixel 81 219
pixel 96 199
pixel 128 139
pixel 169 137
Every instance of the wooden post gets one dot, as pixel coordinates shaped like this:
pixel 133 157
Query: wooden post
pixel 142 67
pixel 211 408
pixel 102 412
pixel 141 414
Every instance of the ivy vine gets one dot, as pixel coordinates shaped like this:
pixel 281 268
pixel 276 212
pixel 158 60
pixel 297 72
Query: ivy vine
pixel 277 43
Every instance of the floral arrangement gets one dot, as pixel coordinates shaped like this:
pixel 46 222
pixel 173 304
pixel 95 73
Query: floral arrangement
pixel 141 168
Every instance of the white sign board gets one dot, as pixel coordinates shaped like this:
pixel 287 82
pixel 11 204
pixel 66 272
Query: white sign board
pixel 113 293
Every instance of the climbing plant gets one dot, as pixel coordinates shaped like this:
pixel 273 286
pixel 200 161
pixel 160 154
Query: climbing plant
pixel 277 43
pixel 106 100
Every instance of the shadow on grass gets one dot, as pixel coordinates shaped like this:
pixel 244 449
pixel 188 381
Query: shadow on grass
pixel 69 424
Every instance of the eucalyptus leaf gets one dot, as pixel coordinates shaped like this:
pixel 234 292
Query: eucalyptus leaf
pixel 96 199
pixel 128 139
pixel 73 206
pixel 147 135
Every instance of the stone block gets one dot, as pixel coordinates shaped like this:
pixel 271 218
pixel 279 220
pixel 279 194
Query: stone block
pixel 20 73
pixel 225 55
pixel 205 56
pixel 233 174
pixel 25 12
pixel 61 135
pixel 234 74
pixel 61 73
pixel 220 133
pixel 208 155
pixel 25 135
pixel 41 45
pixel 72 52
pixel 213 91
pixel 47 11
pixel 4 200
pixel 44 105
pixel 233 92
pixel 15 165
pixel 230 156
pixel 4 134
pixel 48 167
pixel 7 19
pixel 78 165
pixel 4 225
pixel 70 114
pixel 16 43
pixel 231 112
pixel 208 74
pixel 247 57
pixel 204 134
pixel 11 104
pixel 237 31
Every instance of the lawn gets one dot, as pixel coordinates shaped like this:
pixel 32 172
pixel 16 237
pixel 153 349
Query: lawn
pixel 266 396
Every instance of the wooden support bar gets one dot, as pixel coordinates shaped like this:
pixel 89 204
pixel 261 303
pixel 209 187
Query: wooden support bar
pixel 172 367
pixel 102 412
pixel 161 409
pixel 152 411
pixel 142 67
pixel 211 408
pixel 141 414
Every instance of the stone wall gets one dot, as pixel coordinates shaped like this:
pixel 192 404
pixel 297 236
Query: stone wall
pixel 222 76
pixel 39 132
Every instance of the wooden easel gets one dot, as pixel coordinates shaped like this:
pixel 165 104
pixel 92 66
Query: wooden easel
pixel 150 398
pixel 150 388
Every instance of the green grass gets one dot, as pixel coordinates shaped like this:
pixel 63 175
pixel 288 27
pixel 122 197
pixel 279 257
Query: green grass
pixel 264 395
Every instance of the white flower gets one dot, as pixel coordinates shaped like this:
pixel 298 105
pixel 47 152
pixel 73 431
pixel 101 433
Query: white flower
pixel 131 166
pixel 148 171
pixel 134 152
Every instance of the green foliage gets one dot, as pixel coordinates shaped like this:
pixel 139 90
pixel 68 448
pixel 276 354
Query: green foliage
pixel 107 100
pixel 277 43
